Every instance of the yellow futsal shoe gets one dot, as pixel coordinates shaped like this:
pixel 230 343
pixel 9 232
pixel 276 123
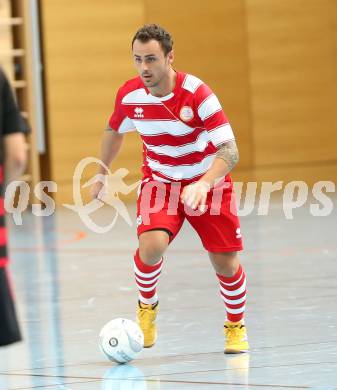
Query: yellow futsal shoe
pixel 236 337
pixel 146 316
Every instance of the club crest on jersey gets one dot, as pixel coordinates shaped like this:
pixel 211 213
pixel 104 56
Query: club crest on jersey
pixel 139 112
pixel 186 113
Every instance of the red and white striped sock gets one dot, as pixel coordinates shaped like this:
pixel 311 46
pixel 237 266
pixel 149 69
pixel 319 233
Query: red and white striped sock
pixel 233 293
pixel 147 277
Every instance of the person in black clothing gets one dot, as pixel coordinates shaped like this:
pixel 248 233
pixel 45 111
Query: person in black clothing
pixel 13 156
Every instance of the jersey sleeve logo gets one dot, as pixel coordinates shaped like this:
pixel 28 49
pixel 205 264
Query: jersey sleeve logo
pixel 186 113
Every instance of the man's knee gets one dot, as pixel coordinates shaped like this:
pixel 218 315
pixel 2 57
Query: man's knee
pixel 152 245
pixel 225 263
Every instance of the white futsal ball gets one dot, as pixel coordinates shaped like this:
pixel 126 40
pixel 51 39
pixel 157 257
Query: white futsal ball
pixel 121 340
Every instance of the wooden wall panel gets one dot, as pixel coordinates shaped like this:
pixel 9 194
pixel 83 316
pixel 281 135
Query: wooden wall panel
pixel 272 64
pixel 210 42
pixel 6 40
pixel 293 72
pixel 87 57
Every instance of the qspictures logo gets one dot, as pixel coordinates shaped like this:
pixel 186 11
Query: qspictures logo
pixel 113 185
pixel 249 199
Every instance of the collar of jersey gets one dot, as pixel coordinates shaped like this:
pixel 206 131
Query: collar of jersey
pixel 170 95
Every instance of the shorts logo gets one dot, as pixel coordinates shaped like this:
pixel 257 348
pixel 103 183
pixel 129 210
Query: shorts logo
pixel 139 220
pixel 186 113
pixel 238 233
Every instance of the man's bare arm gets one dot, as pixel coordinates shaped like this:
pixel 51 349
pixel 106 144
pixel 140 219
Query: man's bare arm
pixel 229 153
pixel 15 148
pixel 110 146
pixel 226 158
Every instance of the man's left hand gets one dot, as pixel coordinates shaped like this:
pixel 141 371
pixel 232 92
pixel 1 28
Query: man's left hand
pixel 195 195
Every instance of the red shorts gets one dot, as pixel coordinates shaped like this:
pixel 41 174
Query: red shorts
pixel 159 207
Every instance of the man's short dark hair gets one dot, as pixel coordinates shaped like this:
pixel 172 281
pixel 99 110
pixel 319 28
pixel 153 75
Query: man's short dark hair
pixel 153 31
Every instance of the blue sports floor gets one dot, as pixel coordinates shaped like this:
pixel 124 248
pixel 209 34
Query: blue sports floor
pixel 70 281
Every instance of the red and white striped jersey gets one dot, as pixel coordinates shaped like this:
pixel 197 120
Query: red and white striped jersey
pixel 180 131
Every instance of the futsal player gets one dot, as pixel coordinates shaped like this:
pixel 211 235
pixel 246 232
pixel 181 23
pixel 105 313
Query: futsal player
pixel 189 150
pixel 12 164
